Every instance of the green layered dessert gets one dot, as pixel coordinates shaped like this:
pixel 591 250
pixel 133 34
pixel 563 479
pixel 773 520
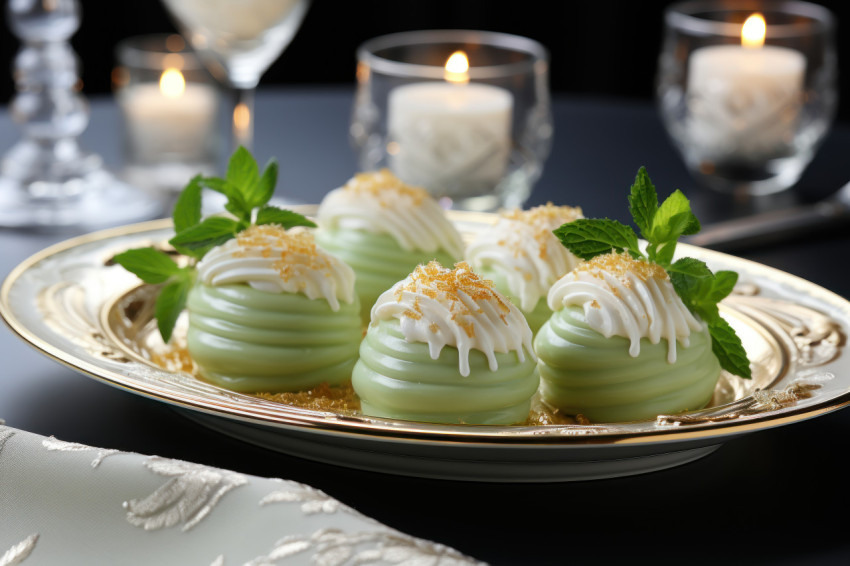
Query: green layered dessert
pixel 383 229
pixel 621 345
pixel 272 312
pixel 636 330
pixel 444 346
pixel 523 258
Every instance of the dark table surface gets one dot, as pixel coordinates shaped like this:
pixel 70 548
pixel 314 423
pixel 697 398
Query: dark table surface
pixel 773 497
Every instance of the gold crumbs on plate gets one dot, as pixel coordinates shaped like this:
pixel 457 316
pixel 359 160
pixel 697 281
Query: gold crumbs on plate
pixel 342 399
pixel 323 397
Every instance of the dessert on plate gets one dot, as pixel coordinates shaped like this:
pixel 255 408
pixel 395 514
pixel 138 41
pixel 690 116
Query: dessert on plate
pixel 273 312
pixel 523 257
pixel 636 332
pixel 383 228
pixel 621 345
pixel 269 311
pixel 444 346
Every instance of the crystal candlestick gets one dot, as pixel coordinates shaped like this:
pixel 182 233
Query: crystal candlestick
pixel 46 178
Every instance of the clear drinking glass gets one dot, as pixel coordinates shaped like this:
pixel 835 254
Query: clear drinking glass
pixel 747 114
pixel 476 137
pixel 238 40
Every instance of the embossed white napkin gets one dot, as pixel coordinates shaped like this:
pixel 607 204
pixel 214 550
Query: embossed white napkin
pixel 66 503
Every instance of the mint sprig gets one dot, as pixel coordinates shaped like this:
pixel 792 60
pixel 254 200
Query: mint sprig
pixel 248 192
pixel 156 267
pixel 661 226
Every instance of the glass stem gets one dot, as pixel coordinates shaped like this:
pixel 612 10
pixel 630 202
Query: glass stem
pixel 243 118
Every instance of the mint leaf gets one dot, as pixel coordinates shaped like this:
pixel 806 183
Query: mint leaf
pixel 171 302
pixel 235 201
pixel 261 192
pixel 690 266
pixel 673 216
pixel 285 218
pixel 197 240
pixel 187 209
pixel 728 348
pixel 724 282
pixel 590 237
pixel 150 265
pixel 242 170
pixel 643 201
pixel 663 254
pixel 696 293
pixel 692 227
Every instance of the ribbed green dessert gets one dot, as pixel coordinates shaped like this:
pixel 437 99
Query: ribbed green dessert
pixel 248 340
pixel 377 259
pixel 536 316
pixel 398 379
pixel 272 312
pixel 523 258
pixel 621 345
pixel 443 346
pixel 383 228
pixel 581 371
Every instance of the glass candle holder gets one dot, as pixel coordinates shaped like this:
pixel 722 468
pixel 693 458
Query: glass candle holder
pixel 170 109
pixel 465 114
pixel 747 90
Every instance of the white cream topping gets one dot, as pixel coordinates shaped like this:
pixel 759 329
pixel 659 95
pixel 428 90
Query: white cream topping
pixel 454 307
pixel 522 246
pixel 274 260
pixel 621 296
pixel 380 202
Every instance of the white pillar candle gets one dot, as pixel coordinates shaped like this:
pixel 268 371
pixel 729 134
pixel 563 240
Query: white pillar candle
pixel 158 124
pixel 744 101
pixel 454 139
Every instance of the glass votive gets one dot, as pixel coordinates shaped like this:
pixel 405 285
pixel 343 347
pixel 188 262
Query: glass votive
pixel 465 114
pixel 170 109
pixel 747 90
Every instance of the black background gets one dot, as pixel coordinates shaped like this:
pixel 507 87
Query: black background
pixel 606 49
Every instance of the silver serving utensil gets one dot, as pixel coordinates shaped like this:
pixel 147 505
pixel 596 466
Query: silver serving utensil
pixel 777 225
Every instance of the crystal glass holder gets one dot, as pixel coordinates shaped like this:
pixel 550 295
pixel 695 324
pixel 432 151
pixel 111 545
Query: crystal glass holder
pixel 747 118
pixel 170 109
pixel 475 137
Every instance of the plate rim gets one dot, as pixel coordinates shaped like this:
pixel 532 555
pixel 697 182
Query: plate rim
pixel 489 435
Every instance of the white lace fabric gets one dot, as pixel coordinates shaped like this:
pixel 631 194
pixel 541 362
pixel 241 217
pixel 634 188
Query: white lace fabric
pixel 67 503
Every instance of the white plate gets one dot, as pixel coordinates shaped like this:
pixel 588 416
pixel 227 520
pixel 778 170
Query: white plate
pixel 71 304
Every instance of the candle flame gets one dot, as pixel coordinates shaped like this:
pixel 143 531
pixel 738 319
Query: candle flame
pixel 171 83
pixel 457 68
pixel 241 117
pixel 753 31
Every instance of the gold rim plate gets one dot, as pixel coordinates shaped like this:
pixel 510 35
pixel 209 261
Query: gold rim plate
pixel 63 301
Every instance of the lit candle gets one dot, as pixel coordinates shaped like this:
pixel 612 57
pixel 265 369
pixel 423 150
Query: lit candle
pixel 451 137
pixel 169 117
pixel 745 99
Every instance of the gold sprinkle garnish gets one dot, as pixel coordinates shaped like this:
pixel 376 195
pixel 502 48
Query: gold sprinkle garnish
pixel 383 183
pixel 433 280
pixel 622 265
pixel 297 249
pixel 542 219
pixel 547 214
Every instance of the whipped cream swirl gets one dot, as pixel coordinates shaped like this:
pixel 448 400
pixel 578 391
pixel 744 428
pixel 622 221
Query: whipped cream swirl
pixel 380 202
pixel 523 248
pixel 271 259
pixel 454 307
pixel 625 297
